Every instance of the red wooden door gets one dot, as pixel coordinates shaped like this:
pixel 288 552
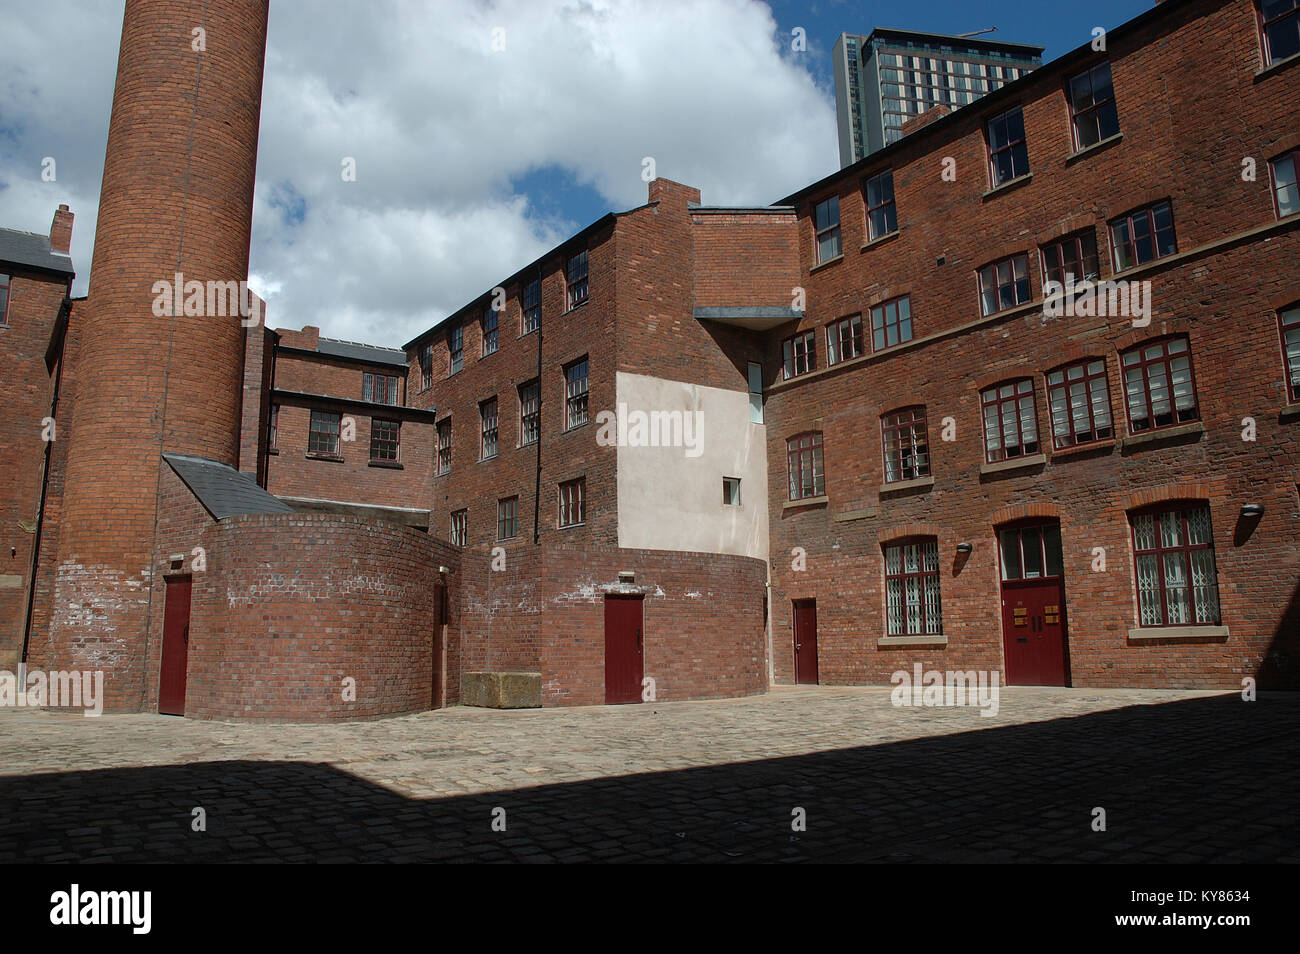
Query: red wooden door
pixel 175 648
pixel 623 649
pixel 805 642
pixel 1033 606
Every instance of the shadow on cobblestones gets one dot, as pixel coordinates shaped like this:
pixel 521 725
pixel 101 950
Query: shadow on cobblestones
pixel 1210 779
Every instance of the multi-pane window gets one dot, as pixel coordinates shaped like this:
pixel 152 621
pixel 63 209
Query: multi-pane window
pixel 1158 385
pixel 1142 236
pixel 426 367
pixel 573 502
pixel 912 603
pixel 576 278
pixel 844 339
pixel 1286 193
pixel 273 429
pixel 1010 420
pixel 487 411
pixel 575 394
pixel 1174 561
pixel 1008 151
pixel 530 413
pixel 907 447
pixel 804 456
pixel 1290 323
pixel 826 221
pixel 489 326
pixel 507 518
pixel 1030 553
pixel 1070 260
pixel 799 354
pixel 385 440
pixel 380 388
pixel 1004 284
pixel 1092 106
pixel 1079 401
pixel 532 306
pixel 456 349
pixel 459 527
pixel 891 323
pixel 1279 27
pixel 882 214
pixel 4 299
pixel 444 446
pixel 323 435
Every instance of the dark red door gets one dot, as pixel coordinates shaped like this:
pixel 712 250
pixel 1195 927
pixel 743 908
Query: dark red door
pixel 175 648
pixel 623 649
pixel 805 642
pixel 1033 606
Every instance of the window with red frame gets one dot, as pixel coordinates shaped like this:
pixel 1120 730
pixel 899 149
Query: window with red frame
pixel 826 222
pixel 4 299
pixel 1279 29
pixel 891 323
pixel 844 339
pixel 799 354
pixel 1092 106
pixel 426 367
pixel 882 213
pixel 573 502
pixel 1070 260
pixel 1143 236
pixel 804 456
pixel 912 602
pixel 1173 551
pixel 575 391
pixel 487 411
pixel 1286 193
pixel 459 528
pixel 1289 321
pixel 1008 151
pixel 385 440
pixel 1010 420
pixel 1004 284
pixel 1158 385
pixel 507 518
pixel 907 446
pixel 380 388
pixel 1078 400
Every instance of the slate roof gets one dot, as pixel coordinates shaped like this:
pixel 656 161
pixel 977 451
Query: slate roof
pixel 223 491
pixel 362 352
pixel 30 248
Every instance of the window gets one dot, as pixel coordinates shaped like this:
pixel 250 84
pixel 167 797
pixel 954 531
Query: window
pixel 1010 420
pixel 487 411
pixel 576 276
pixel 755 376
pixel 459 527
pixel 323 436
pixel 731 491
pixel 799 354
pixel 1079 402
pixel 1070 260
pixel 882 216
pixel 804 455
pixel 891 323
pixel 530 413
pixel 426 367
pixel 826 220
pixel 573 502
pixel 1174 561
pixel 1092 106
pixel 907 448
pixel 1004 284
pixel 575 394
pixel 4 299
pixel 1158 385
pixel 1286 198
pixel 507 518
pixel 385 438
pixel 379 388
pixel 844 339
pixel 912 605
pixel 444 446
pixel 1290 323
pixel 273 429
pixel 456 349
pixel 489 326
pixel 532 306
pixel 1279 27
pixel 1008 152
pixel 1030 553
pixel 1142 236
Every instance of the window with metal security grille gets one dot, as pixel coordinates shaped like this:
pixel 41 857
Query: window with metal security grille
pixel 273 429
pixel 1143 236
pixel 1030 553
pixel 531 306
pixel 444 446
pixel 912 603
pixel 882 214
pixel 843 339
pixel 1078 399
pixel 455 350
pixel 891 323
pixel 576 279
pixel 575 394
pixel 323 434
pixel 507 518
pixel 1093 111
pixel 804 457
pixel 489 327
pixel 1004 284
pixel 426 367
pixel 380 388
pixel 731 491
pixel 1289 322
pixel 799 354
pixel 385 440
pixel 1173 552
pixel 487 411
pixel 4 299
pixel 1279 29
pixel 1158 385
pixel 530 413
pixel 1070 260
pixel 459 528
pixel 826 221
pixel 907 446
pixel 1008 151
pixel 573 502
pixel 1010 420
pixel 1286 193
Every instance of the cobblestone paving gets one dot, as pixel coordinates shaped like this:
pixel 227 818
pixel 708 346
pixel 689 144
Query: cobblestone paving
pixel 1182 775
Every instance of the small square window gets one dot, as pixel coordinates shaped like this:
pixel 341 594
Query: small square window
pixel 1004 284
pixel 1143 236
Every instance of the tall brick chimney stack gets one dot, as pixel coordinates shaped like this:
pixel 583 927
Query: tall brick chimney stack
pixel 61 231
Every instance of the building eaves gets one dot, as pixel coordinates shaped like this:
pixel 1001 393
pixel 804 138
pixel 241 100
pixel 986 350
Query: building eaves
pixel 222 490
pixel 33 250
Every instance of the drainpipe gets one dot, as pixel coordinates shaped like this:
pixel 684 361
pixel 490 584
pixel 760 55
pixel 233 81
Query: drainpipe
pixel 537 484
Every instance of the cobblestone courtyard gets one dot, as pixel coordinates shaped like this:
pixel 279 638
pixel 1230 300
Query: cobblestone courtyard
pixel 1182 776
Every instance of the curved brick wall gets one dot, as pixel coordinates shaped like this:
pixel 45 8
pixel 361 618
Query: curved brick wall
pixel 292 604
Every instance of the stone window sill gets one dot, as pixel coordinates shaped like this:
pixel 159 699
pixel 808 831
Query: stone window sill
pixel 1163 433
pixel 880 240
pixel 387 464
pixel 827 264
pixel 1144 633
pixel 1095 147
pixel 332 458
pixel 1015 463
pixel 1276 66
pixel 821 501
pixel 938 642
pixel 1289 412
pixel 849 515
pixel 899 486
pixel 1080 450
pixel 274 451
pixel 1007 186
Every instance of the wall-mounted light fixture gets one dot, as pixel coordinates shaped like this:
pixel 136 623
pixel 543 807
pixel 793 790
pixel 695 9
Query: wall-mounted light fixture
pixel 965 547
pixel 1252 510
pixel 443 570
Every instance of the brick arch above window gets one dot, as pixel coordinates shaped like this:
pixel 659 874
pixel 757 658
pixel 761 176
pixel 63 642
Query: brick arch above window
pixel 1135 199
pixel 1002 377
pixel 1074 353
pixel 1068 226
pixel 1156 331
pixel 1044 509
pixel 904 531
pixel 1189 490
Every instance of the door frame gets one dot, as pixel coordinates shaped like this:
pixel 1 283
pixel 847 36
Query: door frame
pixel 1006 586
pixel 639 599
pixel 168 583
pixel 795 606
